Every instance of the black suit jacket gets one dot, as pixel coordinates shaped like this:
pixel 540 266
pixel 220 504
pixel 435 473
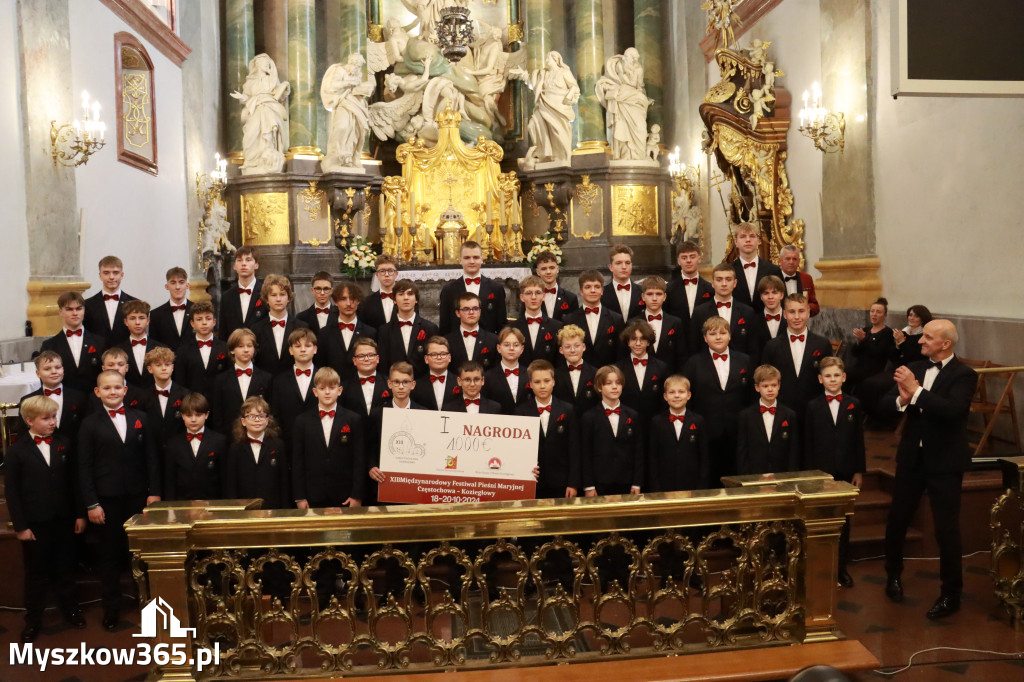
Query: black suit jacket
pixel 227 395
pixel 352 393
pixel 755 454
pixel 269 357
pixel 764 334
pixel 558 452
pixel 496 388
pixel 331 350
pixel 194 477
pixel 565 303
pixel 719 407
pixel 230 317
pixel 423 393
pixel 677 304
pixel 743 328
pixel 392 348
pixel 586 395
pixel 605 349
pixel 312 321
pixel 546 347
pixel 935 433
pixel 371 310
pixel 611 462
pixel 139 376
pixel 75 408
pixel 135 398
pixel 325 474
pixel 835 447
pixel 110 467
pixel 267 479
pixel 742 293
pixel 611 301
pixel 190 372
pixel 672 342
pixel 97 321
pixel 678 463
pixel 83 375
pixel 38 492
pixel 170 422
pixel 647 399
pixel 287 403
pixel 485 351
pixel 163 329
pixel 487 406
pixel 797 391
pixel 493 314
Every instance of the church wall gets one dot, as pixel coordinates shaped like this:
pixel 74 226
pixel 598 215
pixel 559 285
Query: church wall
pixel 125 211
pixel 14 254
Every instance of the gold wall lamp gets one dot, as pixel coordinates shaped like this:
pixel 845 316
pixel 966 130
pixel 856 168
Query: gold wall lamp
pixel 73 143
pixel 825 128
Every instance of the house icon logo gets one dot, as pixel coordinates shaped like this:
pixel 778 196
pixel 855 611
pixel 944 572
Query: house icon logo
pixel 157 615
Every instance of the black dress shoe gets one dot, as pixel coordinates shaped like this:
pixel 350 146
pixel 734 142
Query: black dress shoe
pixel 75 619
pixel 845 579
pixel 30 632
pixel 943 606
pixel 110 620
pixel 894 589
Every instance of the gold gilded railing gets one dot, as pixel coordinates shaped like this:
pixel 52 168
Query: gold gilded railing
pixel 447 587
pixel 1008 541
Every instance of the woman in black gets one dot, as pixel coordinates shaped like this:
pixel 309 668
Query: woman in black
pixel 908 339
pixel 870 373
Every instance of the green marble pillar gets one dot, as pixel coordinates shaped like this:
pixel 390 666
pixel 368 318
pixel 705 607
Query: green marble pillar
pixel 589 63
pixel 350 26
pixel 649 36
pixel 538 32
pixel 239 49
pixel 302 74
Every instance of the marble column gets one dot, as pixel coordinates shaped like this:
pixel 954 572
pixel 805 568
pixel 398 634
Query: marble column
pixel 649 38
pixel 589 63
pixel 239 49
pixel 302 104
pixel 849 265
pixel 348 27
pixel 538 32
pixel 51 203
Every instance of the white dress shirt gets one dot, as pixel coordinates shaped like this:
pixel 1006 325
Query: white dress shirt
pixel 59 399
pixel 321 318
pixel 257 447
pixel 768 418
pixel 750 274
pixel 624 296
pixel 574 377
pixel 655 325
pixel 721 366
pixel 472 408
pixel 797 347
pixel 303 381
pixel 472 288
pixel 44 447
pixel 773 325
pixel 613 418
pixel 549 301
pixel 678 424
pixel 725 311
pixel 111 305
pixel 278 332
pixel 512 379
pixel 244 298
pixel 792 286
pixel 691 291
pixel 407 406
pixel 438 388
pixel 387 303
pixel 327 421
pixel 926 384
pixel 205 351
pixel 593 319
pixel 120 422
pixel 178 316
pixel 545 416
pixel 138 352
pixel 162 398
pixel 244 379
pixel 833 406
pixel 639 369
pixel 406 330
pixel 469 341
pixel 533 327
pixel 346 333
pixel 195 443
pixel 75 344
pixel 367 389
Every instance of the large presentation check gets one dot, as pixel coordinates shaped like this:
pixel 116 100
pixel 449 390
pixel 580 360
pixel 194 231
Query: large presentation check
pixel 431 456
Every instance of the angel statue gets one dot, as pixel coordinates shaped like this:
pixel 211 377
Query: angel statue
pixel 621 92
pixel 215 229
pixel 391 118
pixel 381 56
pixel 555 91
pixel 492 65
pixel 343 92
pixel 264 117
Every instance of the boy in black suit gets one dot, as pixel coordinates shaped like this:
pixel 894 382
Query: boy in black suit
pixel 490 293
pixel 401 382
pixel 378 308
pixel 689 290
pixel 749 267
pixel 642 373
pixel 136 398
pixel 45 510
pixel 557 301
pixel 320 314
pixel 601 323
pixel 508 382
pixel 138 343
pixel 558 451
pixel 796 353
pixel 540 333
pixel 335 342
pixel 620 294
pixel 404 338
pixel 669 343
pixel 741 317
pixel 611 441
pixel 71 404
pixel 239 382
pixel 574 378
pixel 470 340
pixel 439 383
pixel 169 322
pixel 327 454
pixel 164 406
pixel 119 474
pixel 678 456
pixel 103 313
pixel 257 464
pixel 772 293
pixel 367 387
pixel 199 360
pixel 767 440
pixel 240 304
pixel 834 442
pixel 79 349
pixel 273 330
pixel 471 382
pixel 194 458
pixel 291 391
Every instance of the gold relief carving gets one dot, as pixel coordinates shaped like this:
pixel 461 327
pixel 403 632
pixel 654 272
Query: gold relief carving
pixel 742 101
pixel 265 218
pixel 375 32
pixel 530 202
pixel 130 59
pixel 312 200
pixel 135 103
pixel 586 193
pixel 586 235
pixel 635 210
pixel 515 32
pixel 720 92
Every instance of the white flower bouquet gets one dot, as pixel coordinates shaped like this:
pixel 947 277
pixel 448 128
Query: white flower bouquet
pixel 541 244
pixel 358 260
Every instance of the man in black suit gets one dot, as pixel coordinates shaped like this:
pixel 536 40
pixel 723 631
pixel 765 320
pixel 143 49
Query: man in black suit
pixel 797 282
pixel 471 382
pixel 677 453
pixel 540 332
pixel 439 383
pixel 169 323
pixel 796 353
pixel 620 294
pixel 741 317
pixel 240 303
pixel 103 314
pixel 378 308
pixel 138 343
pixel 321 313
pixel 404 338
pixel 80 350
pixel 749 267
pixel 685 293
pixel 557 301
pixel 558 454
pixel 71 403
pixel 600 323
pixel 335 343
pixel 200 359
pixel 272 331
pixel 470 341
pixel 194 458
pixel 935 394
pixel 493 313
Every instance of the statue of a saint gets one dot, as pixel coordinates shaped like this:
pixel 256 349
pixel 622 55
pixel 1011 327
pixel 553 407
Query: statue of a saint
pixel 555 91
pixel 344 93
pixel 215 229
pixel 621 92
pixel 264 117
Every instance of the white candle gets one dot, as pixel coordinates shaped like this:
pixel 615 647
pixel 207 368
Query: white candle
pixel 412 207
pixel 490 209
pixel 380 213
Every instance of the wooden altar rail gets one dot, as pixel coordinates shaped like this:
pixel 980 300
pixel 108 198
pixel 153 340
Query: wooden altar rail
pixel 803 518
pixel 989 410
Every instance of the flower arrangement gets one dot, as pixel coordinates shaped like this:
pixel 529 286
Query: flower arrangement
pixel 359 259
pixel 543 243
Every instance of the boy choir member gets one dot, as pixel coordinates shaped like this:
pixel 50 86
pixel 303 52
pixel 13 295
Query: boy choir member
pixel 767 436
pixel 138 343
pixel 471 340
pixel 164 404
pixel 796 354
pixel 742 319
pixel 749 267
pixel 670 340
pixel 490 293
pixel 507 383
pixel 272 331
pixel 611 441
pixel 199 360
pixel 600 322
pixel 321 313
pixel 557 301
pixel 574 377
pixel 678 445
pixel 169 322
pixel 367 386
pixel 79 348
pixel 558 450
pixel 194 458
pixel 239 382
pixel 471 383
pixel 335 343
pixel 240 304
pixel 643 373
pixel 291 391
pixel 71 403
pixel 404 338
pixel 135 397
pixel 439 383
pixel 621 294
pixel 688 291
pixel 256 464
pixel 103 313
pixel 539 330
pixel 378 308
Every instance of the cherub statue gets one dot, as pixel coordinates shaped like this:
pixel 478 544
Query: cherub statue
pixel 343 93
pixel 264 117
pixel 654 142
pixel 215 229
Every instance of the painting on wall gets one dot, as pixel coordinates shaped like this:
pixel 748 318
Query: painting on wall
pixel 136 104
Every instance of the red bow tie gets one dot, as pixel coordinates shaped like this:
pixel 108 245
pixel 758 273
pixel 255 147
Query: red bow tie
pixel 716 356
pixel 247 372
pixel 114 413
pixel 534 320
pixel 651 318
pixel 676 417
pixel 300 372
pixel 769 318
pixel 176 308
pixel 591 310
pixel 194 436
pixel 770 410
pixel 162 391
pixel 639 361
pixel 255 441
pixel 247 292
pixel 472 280
pixel 551 291
pixel 510 372
pixel 372 379
pixel 387 294
pixel 208 343
pixel 575 368
pixel 723 304
pixel 622 287
pixel 472 401
pixel 542 410
pixel 404 323
pixel 830 398
pixel 43 439
pixel 323 311
pixel 466 334
pixel 608 413
pixel 690 280
pixel 327 413
pixel 351 326
pixel 278 323
pixel 793 337
pixel 752 264
pixel 111 297
pixel 70 332
pixel 49 392
pixel 138 342
pixel 439 378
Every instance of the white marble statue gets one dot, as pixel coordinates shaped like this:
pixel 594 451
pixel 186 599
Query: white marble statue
pixel 686 219
pixel 343 93
pixel 215 229
pixel 390 119
pixel 264 117
pixel 380 56
pixel 428 14
pixel 555 91
pixel 654 143
pixel 621 92
pixel 488 66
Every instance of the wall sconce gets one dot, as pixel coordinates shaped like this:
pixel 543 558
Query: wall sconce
pixel 682 173
pixel 827 129
pixel 209 186
pixel 73 143
pixel 687 219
